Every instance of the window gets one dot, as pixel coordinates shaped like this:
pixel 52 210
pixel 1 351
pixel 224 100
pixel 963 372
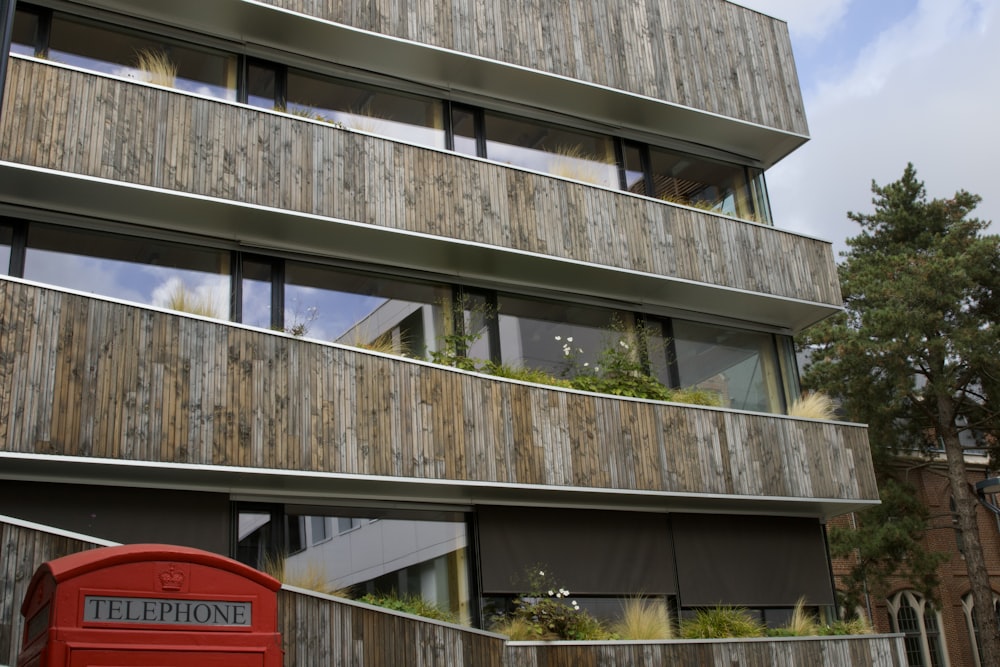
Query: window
pixel 24 38
pixel 362 309
pixel 739 365
pixel 6 241
pixel 409 118
pixel 911 615
pixel 404 552
pixel 319 529
pixel 169 275
pixel 141 56
pixel 973 624
pixel 561 339
pixel 550 149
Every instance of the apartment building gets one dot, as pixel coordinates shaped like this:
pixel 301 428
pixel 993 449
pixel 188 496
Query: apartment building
pixel 267 261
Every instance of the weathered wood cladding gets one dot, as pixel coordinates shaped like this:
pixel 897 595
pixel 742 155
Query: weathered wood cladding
pixel 88 124
pixel 83 376
pixel 320 631
pixel 23 550
pixel 706 54
pixel 863 651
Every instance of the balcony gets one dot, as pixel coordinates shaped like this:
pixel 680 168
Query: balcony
pixel 100 390
pixel 90 144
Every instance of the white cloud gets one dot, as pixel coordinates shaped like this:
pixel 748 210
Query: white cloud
pixel 807 19
pixel 923 91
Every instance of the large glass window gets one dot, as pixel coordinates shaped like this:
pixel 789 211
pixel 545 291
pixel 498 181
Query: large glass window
pixel 143 57
pixel 722 187
pixel 25 32
pixel 739 365
pixel 911 615
pixel 551 149
pixel 169 275
pixel 378 553
pixel 364 309
pixel 559 338
pixel 406 117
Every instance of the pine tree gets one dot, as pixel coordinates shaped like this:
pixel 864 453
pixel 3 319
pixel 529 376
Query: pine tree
pixel 916 354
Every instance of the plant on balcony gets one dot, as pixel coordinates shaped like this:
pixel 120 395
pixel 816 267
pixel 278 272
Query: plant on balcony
pixel 721 622
pixel 409 604
pixel 644 619
pixel 185 300
pixel 813 405
pixel 547 612
pixel 156 66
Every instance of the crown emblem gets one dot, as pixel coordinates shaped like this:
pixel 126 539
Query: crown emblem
pixel 171 579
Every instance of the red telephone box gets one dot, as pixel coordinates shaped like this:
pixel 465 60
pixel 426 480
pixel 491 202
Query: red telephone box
pixel 150 604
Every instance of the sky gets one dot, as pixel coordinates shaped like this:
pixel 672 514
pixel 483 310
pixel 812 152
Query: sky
pixel 886 82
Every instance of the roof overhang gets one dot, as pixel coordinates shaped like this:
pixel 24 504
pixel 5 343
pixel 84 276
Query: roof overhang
pixel 257 227
pixel 262 24
pixel 292 486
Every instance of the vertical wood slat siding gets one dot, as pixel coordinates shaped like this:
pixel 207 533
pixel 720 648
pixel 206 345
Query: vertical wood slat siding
pixel 379 415
pixel 707 54
pixel 319 631
pixel 22 550
pixel 315 168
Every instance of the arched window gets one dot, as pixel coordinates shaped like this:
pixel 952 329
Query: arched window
pixel 973 624
pixel 913 616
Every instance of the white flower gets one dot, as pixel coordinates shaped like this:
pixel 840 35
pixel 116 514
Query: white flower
pixel 579 350
pixel 541 574
pixel 564 591
pixel 558 337
pixel 551 593
pixel 586 363
pixel 569 339
pixel 623 344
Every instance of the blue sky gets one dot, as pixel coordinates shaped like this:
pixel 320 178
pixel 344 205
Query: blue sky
pixel 888 82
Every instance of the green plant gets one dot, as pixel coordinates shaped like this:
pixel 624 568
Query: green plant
pixel 618 370
pixel 721 622
pixel 644 618
pixel 696 396
pixel 813 405
pixel 854 626
pixel 157 67
pixel 409 604
pixel 516 628
pixel 524 374
pixel 459 335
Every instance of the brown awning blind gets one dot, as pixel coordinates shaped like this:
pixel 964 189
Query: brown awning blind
pixel 589 552
pixel 755 561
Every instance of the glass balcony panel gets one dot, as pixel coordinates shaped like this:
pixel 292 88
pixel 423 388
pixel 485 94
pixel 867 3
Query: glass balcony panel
pixel 739 365
pixel 551 149
pixel 359 309
pixel 180 277
pixel 408 118
pixel 143 57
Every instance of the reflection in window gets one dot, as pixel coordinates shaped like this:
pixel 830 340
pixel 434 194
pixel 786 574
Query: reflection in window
pixel 406 117
pixel 426 558
pixel 972 623
pixel 256 305
pixel 363 309
pixel 551 149
pixel 911 615
pixel 558 338
pixel 737 364
pixel 142 57
pixel 185 278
